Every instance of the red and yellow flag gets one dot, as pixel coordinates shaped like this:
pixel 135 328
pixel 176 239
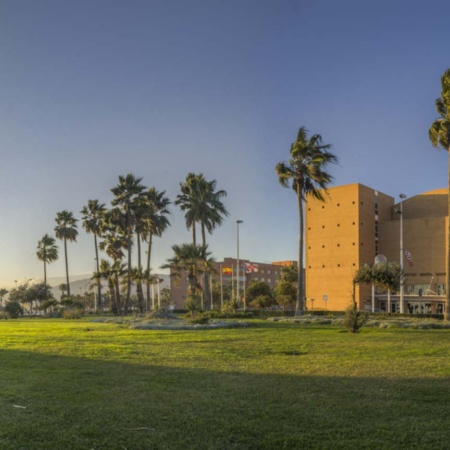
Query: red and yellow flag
pixel 227 270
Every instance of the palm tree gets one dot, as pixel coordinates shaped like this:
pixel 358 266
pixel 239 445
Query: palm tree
pixel 93 214
pixel 305 173
pixel 3 292
pixel 47 252
pixel 66 230
pixel 154 223
pixel 439 134
pixel 202 204
pixel 190 260
pixel 187 201
pixel 125 192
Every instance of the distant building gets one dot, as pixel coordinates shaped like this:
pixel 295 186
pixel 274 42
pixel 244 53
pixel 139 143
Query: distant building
pixel 249 272
pixel 355 224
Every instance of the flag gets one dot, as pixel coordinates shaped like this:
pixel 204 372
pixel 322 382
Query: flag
pixel 409 258
pixel 250 268
pixel 227 270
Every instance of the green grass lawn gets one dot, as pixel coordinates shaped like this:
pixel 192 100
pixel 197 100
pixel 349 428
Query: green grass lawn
pixel 87 385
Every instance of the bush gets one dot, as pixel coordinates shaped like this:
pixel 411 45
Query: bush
pixel 72 314
pixel 4 315
pixel 14 310
pixel 199 319
pixel 192 303
pixel 354 319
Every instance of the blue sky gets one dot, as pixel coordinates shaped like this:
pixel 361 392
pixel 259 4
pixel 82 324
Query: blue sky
pixel 90 90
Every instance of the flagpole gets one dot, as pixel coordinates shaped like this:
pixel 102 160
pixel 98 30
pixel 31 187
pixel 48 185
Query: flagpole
pixel 232 279
pixel 221 289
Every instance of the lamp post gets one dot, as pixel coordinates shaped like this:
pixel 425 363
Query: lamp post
pixel 402 279
pixel 238 222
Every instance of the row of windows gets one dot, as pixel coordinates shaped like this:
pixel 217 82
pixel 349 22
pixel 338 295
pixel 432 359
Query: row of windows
pixel 324 267
pixel 337 245
pixel 338 204
pixel 338 225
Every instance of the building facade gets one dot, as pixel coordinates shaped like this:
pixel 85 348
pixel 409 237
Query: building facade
pixel 357 223
pixel 226 272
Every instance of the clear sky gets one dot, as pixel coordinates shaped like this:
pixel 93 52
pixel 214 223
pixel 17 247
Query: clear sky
pixel 90 90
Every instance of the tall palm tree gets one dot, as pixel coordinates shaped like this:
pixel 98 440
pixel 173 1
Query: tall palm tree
pixel 190 260
pixel 93 214
pixel 66 230
pixel 203 204
pixel 306 175
pixel 125 192
pixel 3 292
pixel 154 223
pixel 188 202
pixel 439 134
pixel 47 252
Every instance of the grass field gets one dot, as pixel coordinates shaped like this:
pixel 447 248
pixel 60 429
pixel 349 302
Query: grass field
pixel 83 385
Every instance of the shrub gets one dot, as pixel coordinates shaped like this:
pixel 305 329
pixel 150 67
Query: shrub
pixel 354 319
pixel 72 314
pixel 4 315
pixel 14 309
pixel 192 303
pixel 199 319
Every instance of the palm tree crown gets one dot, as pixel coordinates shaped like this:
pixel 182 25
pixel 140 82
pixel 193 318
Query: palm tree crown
pixel 47 252
pixel 305 173
pixel 439 134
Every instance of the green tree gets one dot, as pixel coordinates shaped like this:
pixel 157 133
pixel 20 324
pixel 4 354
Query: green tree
pixel 47 252
pixel 3 292
pixel 285 293
pixel 439 135
pixel 259 295
pixel 154 223
pixel 305 173
pixel 190 260
pixel 93 214
pixel 386 276
pixel 202 204
pixel 289 273
pixel 66 230
pixel 125 194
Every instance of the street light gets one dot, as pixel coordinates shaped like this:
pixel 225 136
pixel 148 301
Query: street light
pixel 402 279
pixel 237 268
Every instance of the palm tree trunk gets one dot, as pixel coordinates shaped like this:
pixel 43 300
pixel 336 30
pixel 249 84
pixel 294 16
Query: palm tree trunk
pixel 194 237
pixel 127 300
pixel 99 284
pixel 45 279
pixel 150 239
pixel 206 275
pixel 67 267
pixel 300 293
pixel 139 292
pixel 447 287
pixel 118 303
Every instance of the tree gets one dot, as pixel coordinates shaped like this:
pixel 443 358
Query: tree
pixel 259 295
pixel 191 260
pixel 385 276
pixel 306 175
pixel 66 230
pixel 202 204
pixel 439 135
pixel 125 193
pixel 289 273
pixel 92 218
pixel 285 293
pixel 47 252
pixel 154 223
pixel 3 292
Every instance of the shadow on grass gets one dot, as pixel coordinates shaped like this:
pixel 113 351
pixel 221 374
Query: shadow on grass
pixel 59 402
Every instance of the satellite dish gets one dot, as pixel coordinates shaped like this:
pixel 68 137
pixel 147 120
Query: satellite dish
pixel 380 259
